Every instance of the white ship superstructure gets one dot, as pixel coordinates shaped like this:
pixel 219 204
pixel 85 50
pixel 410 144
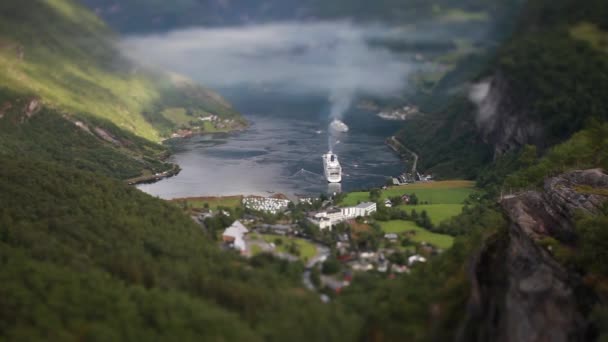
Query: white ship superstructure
pixel 332 168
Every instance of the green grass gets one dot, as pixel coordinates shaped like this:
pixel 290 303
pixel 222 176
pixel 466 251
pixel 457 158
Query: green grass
pixel 307 249
pixel 255 250
pixel 178 116
pixel 354 198
pixel 591 34
pixel 422 235
pixel 397 226
pixel 443 192
pixel 437 212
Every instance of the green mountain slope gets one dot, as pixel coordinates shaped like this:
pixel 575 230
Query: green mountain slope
pixel 62 53
pixel 86 257
pixel 545 83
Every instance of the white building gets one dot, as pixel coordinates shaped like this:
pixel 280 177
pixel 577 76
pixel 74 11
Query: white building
pixel 362 209
pixel 327 219
pixel 235 235
pixel 415 258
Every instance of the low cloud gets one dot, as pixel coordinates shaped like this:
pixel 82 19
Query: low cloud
pixel 328 58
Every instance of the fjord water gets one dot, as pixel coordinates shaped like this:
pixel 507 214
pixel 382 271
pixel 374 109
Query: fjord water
pixel 280 152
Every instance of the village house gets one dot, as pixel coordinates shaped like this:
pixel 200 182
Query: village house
pixel 400 269
pixel 415 258
pixel 234 236
pixel 391 236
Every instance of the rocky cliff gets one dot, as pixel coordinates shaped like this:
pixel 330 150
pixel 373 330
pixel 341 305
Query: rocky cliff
pixel 501 119
pixel 519 291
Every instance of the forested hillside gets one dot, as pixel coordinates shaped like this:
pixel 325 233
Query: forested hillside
pixel 86 257
pixel 62 53
pixel 543 85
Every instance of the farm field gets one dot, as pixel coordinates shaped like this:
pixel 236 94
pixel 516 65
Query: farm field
pixel 443 192
pixel 307 249
pixel 437 212
pixel 421 235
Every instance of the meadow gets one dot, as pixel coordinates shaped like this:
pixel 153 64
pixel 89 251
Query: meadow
pixel 307 249
pixel 421 235
pixel 443 192
pixel 437 212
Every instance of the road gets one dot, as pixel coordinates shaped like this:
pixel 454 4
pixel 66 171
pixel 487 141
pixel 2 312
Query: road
pixel 322 254
pixel 400 145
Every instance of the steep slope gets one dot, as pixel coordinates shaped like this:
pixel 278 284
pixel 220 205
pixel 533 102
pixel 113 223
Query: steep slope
pixel 27 128
pixel 546 287
pixel 63 54
pixel 540 87
pixel 86 257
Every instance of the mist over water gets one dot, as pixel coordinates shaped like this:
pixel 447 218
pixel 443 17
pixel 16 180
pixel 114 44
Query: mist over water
pixel 331 59
pixel 335 60
pixel 308 74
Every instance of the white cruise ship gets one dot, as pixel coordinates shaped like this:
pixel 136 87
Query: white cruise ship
pixel 332 168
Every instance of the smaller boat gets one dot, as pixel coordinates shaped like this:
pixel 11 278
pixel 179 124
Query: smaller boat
pixel 338 126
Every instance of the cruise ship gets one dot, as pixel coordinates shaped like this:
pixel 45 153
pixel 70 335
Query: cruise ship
pixel 332 168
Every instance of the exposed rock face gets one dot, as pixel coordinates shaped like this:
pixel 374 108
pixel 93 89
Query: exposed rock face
pixel 551 212
pixel 103 134
pixel 519 292
pixel 4 108
pixel 501 120
pixel 32 107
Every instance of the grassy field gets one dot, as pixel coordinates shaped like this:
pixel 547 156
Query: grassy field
pixel 354 198
pixel 255 250
pixel 592 34
pixel 437 212
pixel 444 192
pixel 307 249
pixel 213 202
pixel 421 235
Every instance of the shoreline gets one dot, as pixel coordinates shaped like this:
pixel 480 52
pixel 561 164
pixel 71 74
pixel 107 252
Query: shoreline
pixel 176 169
pixel 150 179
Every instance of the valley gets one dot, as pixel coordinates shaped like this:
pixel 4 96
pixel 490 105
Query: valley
pixel 499 105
